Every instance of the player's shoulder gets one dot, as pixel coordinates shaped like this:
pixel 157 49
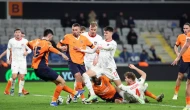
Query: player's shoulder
pixel 68 35
pixel 113 42
pixel 98 37
pixel 12 39
pixel 181 35
pixel 85 34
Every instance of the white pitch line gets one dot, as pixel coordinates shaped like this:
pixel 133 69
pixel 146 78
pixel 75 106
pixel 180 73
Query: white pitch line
pixel 164 105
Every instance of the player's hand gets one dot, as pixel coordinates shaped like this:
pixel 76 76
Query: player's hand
pixel 77 49
pixel 175 61
pixel 25 53
pixel 63 48
pixel 132 66
pixel 99 47
pixel 95 62
pixel 8 62
pixel 64 56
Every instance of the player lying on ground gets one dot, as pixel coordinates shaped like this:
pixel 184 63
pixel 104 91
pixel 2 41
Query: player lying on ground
pixel 137 86
pixel 105 90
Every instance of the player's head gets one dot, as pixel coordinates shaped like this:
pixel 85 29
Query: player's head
pixel 76 29
pixel 108 32
pixel 82 29
pixel 22 34
pixel 129 77
pixel 17 33
pixel 48 33
pixel 96 81
pixel 186 28
pixel 93 28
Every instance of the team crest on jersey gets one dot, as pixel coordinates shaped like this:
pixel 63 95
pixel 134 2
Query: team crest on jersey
pixel 95 42
pixel 81 41
pixel 108 44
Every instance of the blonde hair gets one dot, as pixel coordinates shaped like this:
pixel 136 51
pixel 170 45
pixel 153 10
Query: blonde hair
pixel 93 24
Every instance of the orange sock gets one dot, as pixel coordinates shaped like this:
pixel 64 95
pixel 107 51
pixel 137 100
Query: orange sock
pixel 69 90
pixel 79 86
pixel 148 93
pixel 8 86
pixel 57 92
pixel 187 100
pixel 177 89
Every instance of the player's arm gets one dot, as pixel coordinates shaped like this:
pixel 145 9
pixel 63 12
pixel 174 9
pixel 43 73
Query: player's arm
pixel 185 47
pixel 54 50
pixel 176 45
pixel 9 52
pixel 142 73
pixel 28 50
pixel 62 44
pixel 3 54
pixel 108 47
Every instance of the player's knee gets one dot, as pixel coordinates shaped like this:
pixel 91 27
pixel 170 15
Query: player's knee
pixel 180 76
pixel 188 82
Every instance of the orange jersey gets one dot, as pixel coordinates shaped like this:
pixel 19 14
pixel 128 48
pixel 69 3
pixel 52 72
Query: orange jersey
pixel 106 90
pixel 80 42
pixel 41 49
pixel 181 39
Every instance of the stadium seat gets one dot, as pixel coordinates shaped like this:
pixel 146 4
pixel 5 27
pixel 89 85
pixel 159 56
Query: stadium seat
pixel 99 31
pixel 162 24
pixel 125 31
pixel 167 33
pixel 59 32
pixel 39 31
pixel 56 39
pixel 30 31
pixel 129 48
pixel 10 32
pixel 152 25
pixel 137 31
pixel 112 23
pixel 36 23
pixel 46 23
pixel 2 31
pixel 16 23
pixel 141 24
pixel 34 37
pixel 173 23
pixel 6 23
pixel 68 30
pixel 55 23
pixel 177 31
pixel 137 48
pixel 55 58
pixel 172 40
pixel 26 23
pixel 120 47
pixel 4 39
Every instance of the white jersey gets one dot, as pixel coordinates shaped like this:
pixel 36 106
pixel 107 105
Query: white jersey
pixel 137 88
pixel 94 40
pixel 17 49
pixel 106 55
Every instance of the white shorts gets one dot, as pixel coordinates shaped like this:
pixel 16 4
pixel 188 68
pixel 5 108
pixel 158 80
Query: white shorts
pixel 19 67
pixel 110 73
pixel 88 65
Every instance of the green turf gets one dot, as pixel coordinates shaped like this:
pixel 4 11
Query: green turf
pixel 33 102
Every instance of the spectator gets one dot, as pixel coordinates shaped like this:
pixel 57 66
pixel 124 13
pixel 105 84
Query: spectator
pixel 184 19
pixel 81 19
pixel 120 21
pixel 91 16
pixel 125 55
pixel 132 38
pixel 66 20
pixel 155 57
pixel 143 56
pixel 115 37
pixel 82 29
pixel 103 20
pixel 130 22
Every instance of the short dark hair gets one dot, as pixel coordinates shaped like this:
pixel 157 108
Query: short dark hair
pixel 76 25
pixel 22 32
pixel 82 28
pixel 47 31
pixel 130 75
pixel 108 28
pixel 17 29
pixel 187 24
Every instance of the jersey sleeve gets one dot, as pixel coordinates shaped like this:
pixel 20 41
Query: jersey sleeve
pixel 177 41
pixel 110 46
pixel 52 49
pixel 65 40
pixel 141 80
pixel 89 43
pixel 9 44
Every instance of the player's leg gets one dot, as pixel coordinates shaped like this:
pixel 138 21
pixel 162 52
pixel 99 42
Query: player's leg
pixel 14 76
pixel 21 84
pixel 94 71
pixel 151 95
pixel 187 93
pixel 24 91
pixel 8 86
pixel 183 66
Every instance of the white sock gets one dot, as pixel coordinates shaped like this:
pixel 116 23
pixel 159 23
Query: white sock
pixel 121 93
pixel 21 85
pixel 88 83
pixel 11 79
pixel 13 84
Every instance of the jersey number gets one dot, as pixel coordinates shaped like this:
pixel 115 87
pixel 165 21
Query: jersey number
pixel 137 92
pixel 36 51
